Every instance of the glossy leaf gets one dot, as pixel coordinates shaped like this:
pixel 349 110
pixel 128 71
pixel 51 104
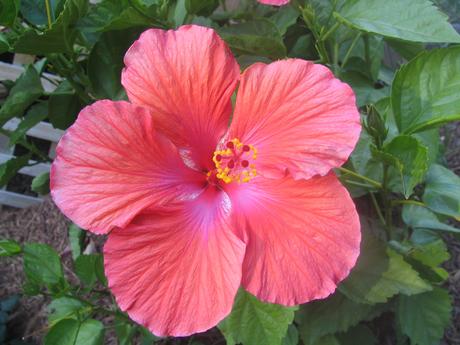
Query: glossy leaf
pixel 67 308
pixel 442 191
pixel 59 38
pixel 409 20
pixel 63 333
pixel 252 322
pixel 106 62
pixel 11 167
pixel 419 217
pixel 360 334
pixel 364 88
pixel 424 317
pixel 85 268
pixel 41 184
pixel 9 248
pixel 42 264
pixel 372 263
pixel 425 91
pixel 72 332
pixel 8 11
pixel 292 336
pixel 334 314
pixel 201 7
pixel 63 106
pixel 399 278
pixel 38 112
pixel 24 92
pixel 259 37
pixel 76 239
pixel 408 159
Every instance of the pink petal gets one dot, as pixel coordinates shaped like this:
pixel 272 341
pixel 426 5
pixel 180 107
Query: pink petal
pixel 302 237
pixel 176 271
pixel 187 77
pixel 274 2
pixel 112 163
pixel 298 116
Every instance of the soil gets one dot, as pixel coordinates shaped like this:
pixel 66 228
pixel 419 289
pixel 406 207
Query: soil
pixel 45 224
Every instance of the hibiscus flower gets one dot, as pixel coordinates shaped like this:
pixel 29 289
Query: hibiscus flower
pixel 198 201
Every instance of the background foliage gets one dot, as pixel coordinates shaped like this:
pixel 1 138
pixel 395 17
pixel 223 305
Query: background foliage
pixel 396 174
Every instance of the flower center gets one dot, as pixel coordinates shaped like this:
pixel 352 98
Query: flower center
pixel 236 162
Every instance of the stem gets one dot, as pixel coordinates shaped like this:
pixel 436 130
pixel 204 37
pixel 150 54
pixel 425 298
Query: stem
pixel 350 49
pixel 335 59
pixel 330 31
pixel 377 208
pixel 364 178
pixel 359 184
pixel 387 202
pixel 48 12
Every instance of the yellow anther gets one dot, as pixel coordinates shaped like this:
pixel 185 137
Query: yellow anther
pixel 235 162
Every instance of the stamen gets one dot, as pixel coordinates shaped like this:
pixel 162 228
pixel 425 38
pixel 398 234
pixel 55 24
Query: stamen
pixel 236 162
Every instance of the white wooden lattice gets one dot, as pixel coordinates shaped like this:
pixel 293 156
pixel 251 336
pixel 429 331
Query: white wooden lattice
pixel 43 130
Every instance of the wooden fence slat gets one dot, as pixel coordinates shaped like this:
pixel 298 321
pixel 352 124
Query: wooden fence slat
pixel 17 200
pixel 43 130
pixel 34 170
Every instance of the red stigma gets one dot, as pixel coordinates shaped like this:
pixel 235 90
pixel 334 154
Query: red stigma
pixel 244 164
pixel 246 148
pixel 230 145
pixel 218 158
pixel 231 164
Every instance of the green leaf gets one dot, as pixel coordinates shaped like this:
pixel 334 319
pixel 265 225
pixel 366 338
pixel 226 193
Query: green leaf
pixel 427 257
pixel 292 336
pixel 424 317
pixel 91 332
pixel 371 265
pixel 76 238
pixel 85 268
pixel 399 278
pixel 252 322
pixel 410 163
pixel 67 308
pixel 63 106
pixel 327 340
pixel 360 334
pixel 11 167
pixel 9 248
pixel 35 11
pixel 334 314
pixel 284 18
pixel 424 93
pixel 258 37
pixel 63 333
pixel 442 191
pixel 106 62
pixel 24 92
pixel 8 11
pixel 41 184
pixel 419 217
pixel 72 332
pixel 57 39
pixel 124 331
pixel 410 20
pixel 42 264
pixel 35 114
pixel 364 88
pixel 201 7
